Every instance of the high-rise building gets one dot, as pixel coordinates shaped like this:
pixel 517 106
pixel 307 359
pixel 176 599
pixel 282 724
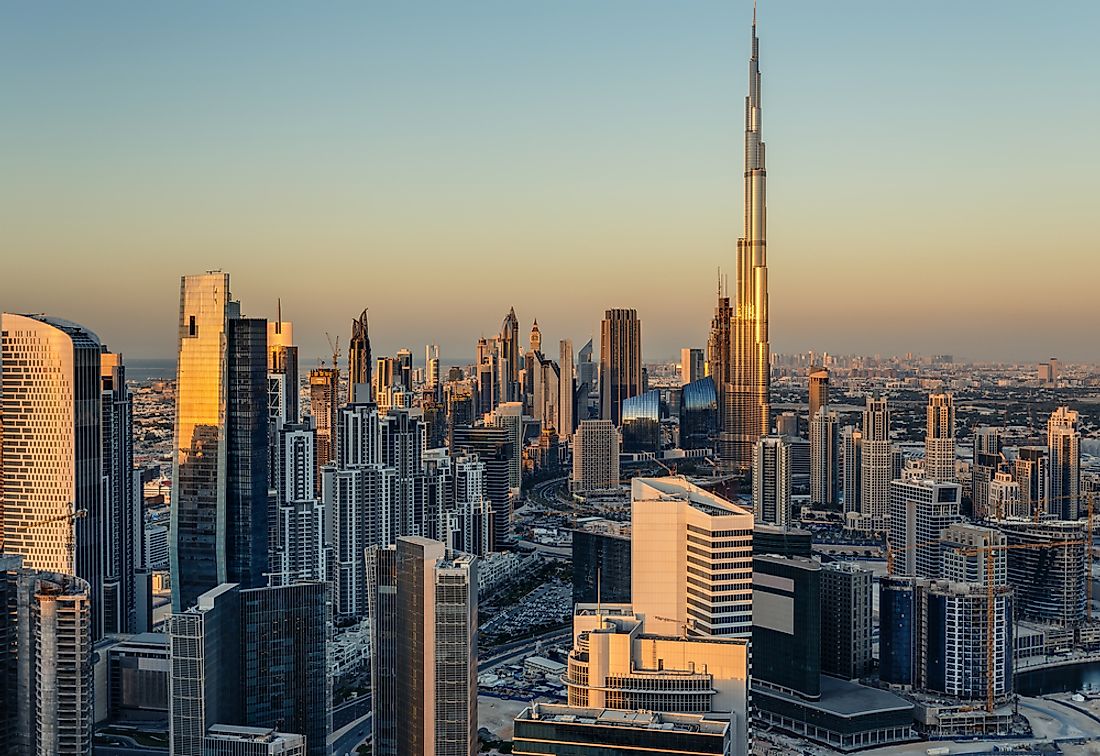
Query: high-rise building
pixel 282 370
pixel 283 661
pixel 1049 576
pixel 601 562
pixel 1064 448
pixel 692 362
pixel 747 406
pixel 786 424
pixel 298 534
pixel 876 466
pixel 824 457
pixel 846 619
pixel 508 359
pixel 1004 497
pixel 206 663
pixel 719 367
pixel 851 450
pixel 699 415
pixel 586 382
pixel 616 663
pixel 237 740
pixel 939 438
pixel 424 650
pixel 53 507
pixel 509 416
pixel 220 473
pixel 970 552
pixel 567 388
pixel 359 361
pixel 45 661
pixel 708 593
pixel 1030 470
pixel 771 480
pixel 920 509
pixel 324 407
pixel 641 423
pixel 819 391
pixel 786 624
pixel 122 503
pixel 494 448
pixel 987 458
pixel 595 457
pixel 620 361
pixel 575 731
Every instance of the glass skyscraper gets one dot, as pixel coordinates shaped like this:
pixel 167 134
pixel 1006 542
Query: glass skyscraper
pixel 699 414
pixel 641 423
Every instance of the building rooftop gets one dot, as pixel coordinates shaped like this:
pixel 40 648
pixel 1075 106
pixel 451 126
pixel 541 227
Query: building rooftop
pixel 843 698
pixel 648 720
pixel 678 488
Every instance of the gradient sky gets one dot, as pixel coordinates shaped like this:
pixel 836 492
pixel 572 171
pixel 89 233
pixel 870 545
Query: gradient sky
pixel 934 168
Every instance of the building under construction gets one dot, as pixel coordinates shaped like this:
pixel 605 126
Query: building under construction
pixel 1049 578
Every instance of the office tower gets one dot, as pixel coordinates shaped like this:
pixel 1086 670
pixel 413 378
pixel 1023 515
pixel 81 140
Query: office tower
pixel 920 509
pixel 586 382
pixel 122 509
pixel 641 423
pixel 1030 471
pixel 359 494
pixel 692 363
pixel 508 359
pixel 620 361
pixel 777 541
pixel 403 367
pixel 851 449
pixel 786 624
pixel 45 661
pixel 846 624
pixel 616 662
pixel 282 369
pixel 433 622
pixel 601 563
pixel 387 376
pixel 359 361
pixel 1049 579
pixel 876 466
pixel 138 677
pixel 595 457
pixel 824 457
pixel 819 391
pixel 699 415
pixel 470 528
pixel 987 458
pixel 324 406
pixel 545 378
pixel 747 410
pixel 939 438
pixel 53 507
pixel 509 416
pixel 220 472
pixel 403 443
pixel 494 448
pixel 970 552
pixel 567 390
pixel 1064 448
pixel 298 533
pixel 668 517
pixel 771 480
pixel 579 731
pixel 431 365
pixel 897 626
pixel 1004 497
pixel 284 656
pixel 381 563
pixel 236 740
pixel 536 337
pixel 206 663
pixel 719 367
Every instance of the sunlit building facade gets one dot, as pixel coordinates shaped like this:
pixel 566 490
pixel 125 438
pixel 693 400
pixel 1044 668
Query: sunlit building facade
pixel 620 361
pixel 699 415
pixel 641 423
pixel 939 439
pixel 1064 450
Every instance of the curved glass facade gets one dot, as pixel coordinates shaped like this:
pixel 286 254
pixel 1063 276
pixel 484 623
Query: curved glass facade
pixel 699 414
pixel 642 422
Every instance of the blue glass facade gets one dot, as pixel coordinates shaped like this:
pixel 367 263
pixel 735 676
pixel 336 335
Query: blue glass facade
pixel 642 422
pixel 896 612
pixel 699 415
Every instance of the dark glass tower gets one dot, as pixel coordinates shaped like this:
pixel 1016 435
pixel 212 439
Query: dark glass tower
pixel 359 361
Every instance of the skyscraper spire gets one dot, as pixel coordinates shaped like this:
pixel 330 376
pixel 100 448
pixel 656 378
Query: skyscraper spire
pixel 746 404
pixel 359 361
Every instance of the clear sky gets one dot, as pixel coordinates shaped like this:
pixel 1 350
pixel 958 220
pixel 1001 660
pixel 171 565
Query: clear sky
pixel 934 168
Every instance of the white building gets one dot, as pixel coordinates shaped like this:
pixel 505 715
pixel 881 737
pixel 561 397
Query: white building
pixel 876 467
pixel 920 510
pixel 771 480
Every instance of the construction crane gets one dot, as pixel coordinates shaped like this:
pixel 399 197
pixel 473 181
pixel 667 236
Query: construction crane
pixel 334 345
pixel 991 597
pixel 71 516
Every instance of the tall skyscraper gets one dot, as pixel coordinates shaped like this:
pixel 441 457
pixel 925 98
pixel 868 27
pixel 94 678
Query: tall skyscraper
pixel 620 361
pixel 282 369
pixel 324 406
pixel 719 365
pixel 747 407
pixel 494 448
pixel 692 362
pixel 987 458
pixel 567 390
pixel 359 361
pixel 595 457
pixel 1030 470
pixel 45 661
pixel 586 381
pixel 123 512
pixel 877 466
pixel 1064 449
pixel 819 391
pixel 851 450
pixel 920 509
pixel 786 624
pixel 53 507
pixel 509 416
pixel 508 359
pixel 771 480
pixel 846 624
pixel 707 595
pixel 824 457
pixel 939 439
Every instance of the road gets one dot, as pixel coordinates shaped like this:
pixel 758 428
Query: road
pixel 516 650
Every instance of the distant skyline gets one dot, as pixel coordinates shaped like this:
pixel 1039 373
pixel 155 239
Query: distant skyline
pixel 932 169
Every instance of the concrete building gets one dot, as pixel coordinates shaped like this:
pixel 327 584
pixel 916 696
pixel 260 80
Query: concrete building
pixel 1031 471
pixel 1064 450
pixel 1049 579
pixel 819 391
pixel 360 387
pixel 1004 498
pixel 939 439
pixel 876 467
pixel 691 559
pixel 965 549
pixel 616 664
pixel 574 731
pixel 509 416
pixel 324 408
pixel 45 661
pixel 824 458
pixel 988 457
pixel 235 740
pixel 846 620
pixel 772 480
pixel 620 361
pixel 692 365
pixel 595 457
pixel 920 509
pixel 851 453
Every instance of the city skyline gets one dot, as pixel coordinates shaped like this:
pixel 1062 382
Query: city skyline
pixel 610 147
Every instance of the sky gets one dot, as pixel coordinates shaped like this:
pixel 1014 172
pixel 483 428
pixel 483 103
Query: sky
pixel 934 168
